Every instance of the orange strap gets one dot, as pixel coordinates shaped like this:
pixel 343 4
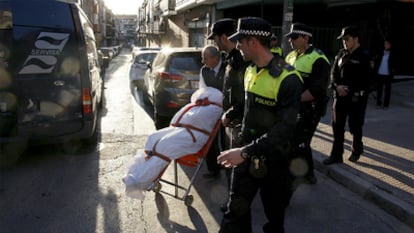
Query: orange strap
pixel 155 153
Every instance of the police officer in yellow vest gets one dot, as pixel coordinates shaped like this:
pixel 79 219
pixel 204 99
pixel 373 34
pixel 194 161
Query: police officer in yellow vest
pixel 314 68
pixel 272 101
pixel 274 47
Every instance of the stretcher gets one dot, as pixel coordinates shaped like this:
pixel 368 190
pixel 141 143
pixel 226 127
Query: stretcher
pixel 195 160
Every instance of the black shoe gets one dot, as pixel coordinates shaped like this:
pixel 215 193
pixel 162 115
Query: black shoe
pixel 332 160
pixel 354 157
pixel 211 175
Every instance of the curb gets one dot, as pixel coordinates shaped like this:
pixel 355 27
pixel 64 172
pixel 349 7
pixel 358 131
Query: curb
pixel 402 210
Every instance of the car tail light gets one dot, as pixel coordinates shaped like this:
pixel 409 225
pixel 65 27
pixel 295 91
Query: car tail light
pixel 172 104
pixel 169 77
pixel 86 101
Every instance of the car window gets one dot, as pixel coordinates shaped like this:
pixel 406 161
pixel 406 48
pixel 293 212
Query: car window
pixel 144 58
pixel 188 62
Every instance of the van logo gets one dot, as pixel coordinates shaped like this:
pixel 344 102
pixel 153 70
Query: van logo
pixel 59 83
pixel 43 56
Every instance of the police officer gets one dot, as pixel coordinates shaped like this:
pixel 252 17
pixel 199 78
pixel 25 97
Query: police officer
pixel 272 94
pixel 233 102
pixel 314 68
pixel 274 47
pixel 351 77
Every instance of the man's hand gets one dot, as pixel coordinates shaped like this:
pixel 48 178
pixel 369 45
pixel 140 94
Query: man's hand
pixel 230 158
pixel 342 90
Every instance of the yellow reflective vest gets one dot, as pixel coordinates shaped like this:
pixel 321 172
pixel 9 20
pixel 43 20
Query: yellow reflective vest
pixel 263 85
pixel 276 50
pixel 304 62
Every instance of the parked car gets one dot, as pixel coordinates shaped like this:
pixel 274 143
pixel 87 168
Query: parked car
pixel 103 60
pixel 136 50
pixel 108 52
pixel 117 49
pixel 139 67
pixel 170 81
pixel 51 88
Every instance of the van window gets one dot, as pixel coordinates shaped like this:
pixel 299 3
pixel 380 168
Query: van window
pixel 42 14
pixel 89 40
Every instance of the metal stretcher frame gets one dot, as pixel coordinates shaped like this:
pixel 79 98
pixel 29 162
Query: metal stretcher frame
pixel 191 160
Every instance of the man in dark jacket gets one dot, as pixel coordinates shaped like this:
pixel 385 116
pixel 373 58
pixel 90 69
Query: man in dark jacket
pixel 212 75
pixel 233 90
pixel 351 77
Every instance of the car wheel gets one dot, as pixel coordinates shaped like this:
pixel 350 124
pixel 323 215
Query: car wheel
pixel 139 86
pixel 146 97
pixel 161 121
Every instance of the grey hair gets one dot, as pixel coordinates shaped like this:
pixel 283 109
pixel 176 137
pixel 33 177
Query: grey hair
pixel 212 51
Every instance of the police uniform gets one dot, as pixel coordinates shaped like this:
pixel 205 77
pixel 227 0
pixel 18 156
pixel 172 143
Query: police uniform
pixel 233 103
pixel 276 49
pixel 354 71
pixel 314 68
pixel 272 101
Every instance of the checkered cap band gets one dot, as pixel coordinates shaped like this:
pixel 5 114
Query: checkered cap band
pixel 300 32
pixel 255 33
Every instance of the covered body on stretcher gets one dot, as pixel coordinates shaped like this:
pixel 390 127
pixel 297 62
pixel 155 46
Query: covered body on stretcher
pixel 190 129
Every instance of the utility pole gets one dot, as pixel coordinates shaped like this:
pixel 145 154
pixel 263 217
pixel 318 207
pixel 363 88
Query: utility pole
pixel 287 22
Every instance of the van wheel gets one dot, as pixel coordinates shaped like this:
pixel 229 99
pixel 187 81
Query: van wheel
pixel 91 143
pixel 77 146
pixel 10 153
pixel 72 147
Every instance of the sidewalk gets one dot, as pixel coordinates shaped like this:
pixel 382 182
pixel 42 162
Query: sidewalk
pixel 384 175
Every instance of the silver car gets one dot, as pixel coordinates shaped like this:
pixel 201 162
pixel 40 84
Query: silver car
pixel 139 67
pixel 170 81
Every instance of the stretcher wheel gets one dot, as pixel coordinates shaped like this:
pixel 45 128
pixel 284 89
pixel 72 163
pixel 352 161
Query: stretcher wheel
pixel 188 200
pixel 157 187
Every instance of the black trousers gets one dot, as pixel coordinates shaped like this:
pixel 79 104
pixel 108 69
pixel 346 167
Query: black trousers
pixel 275 193
pixel 384 87
pixel 308 120
pixel 352 109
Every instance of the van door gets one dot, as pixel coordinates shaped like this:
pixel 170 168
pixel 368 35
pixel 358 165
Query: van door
pixel 46 68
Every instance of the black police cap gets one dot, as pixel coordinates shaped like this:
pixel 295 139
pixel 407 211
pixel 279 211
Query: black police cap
pixel 299 29
pixel 223 26
pixel 351 31
pixel 252 26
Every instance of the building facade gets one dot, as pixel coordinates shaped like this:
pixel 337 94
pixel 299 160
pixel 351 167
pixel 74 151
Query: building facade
pixel 186 23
